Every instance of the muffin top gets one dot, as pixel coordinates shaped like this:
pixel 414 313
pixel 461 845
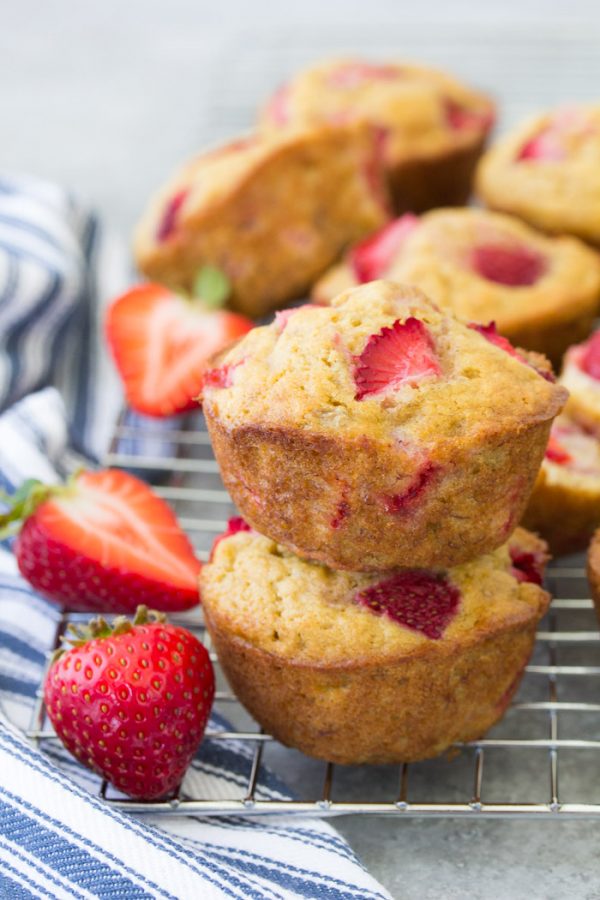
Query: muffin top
pixel 207 181
pixel 548 171
pixel 484 265
pixel 381 363
pixel 305 612
pixel 422 110
pixel 480 265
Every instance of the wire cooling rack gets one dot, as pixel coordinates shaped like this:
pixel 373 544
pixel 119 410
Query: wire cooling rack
pixel 551 732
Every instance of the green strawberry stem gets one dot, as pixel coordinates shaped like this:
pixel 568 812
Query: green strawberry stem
pixel 26 499
pixel 212 287
pixel 98 628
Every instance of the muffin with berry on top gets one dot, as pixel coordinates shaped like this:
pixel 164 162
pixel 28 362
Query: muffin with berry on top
pixel 581 376
pixel 432 129
pixel 369 668
pixel 270 212
pixel 372 433
pixel 564 507
pixel 542 292
pixel 547 172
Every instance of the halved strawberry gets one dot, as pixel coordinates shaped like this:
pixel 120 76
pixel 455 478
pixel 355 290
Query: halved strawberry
pixel 371 258
pixel 104 542
pixel 556 453
pixel 401 354
pixel 513 266
pixel 590 358
pixel 415 598
pixel 161 342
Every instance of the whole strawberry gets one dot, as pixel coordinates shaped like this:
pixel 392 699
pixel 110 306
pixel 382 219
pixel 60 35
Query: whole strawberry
pixel 103 542
pixel 132 701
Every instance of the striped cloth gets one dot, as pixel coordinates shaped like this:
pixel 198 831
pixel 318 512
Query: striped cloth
pixel 57 838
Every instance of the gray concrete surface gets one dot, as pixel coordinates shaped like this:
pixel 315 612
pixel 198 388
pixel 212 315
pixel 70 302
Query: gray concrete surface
pixel 109 97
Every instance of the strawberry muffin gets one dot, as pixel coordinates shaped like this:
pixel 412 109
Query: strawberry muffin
pixel 357 668
pixel 581 377
pixel 271 212
pixel 432 129
pixel 542 292
pixel 565 504
pixel 375 432
pixel 548 172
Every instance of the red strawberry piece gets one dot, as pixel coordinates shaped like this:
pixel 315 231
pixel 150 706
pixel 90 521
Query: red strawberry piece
pixel 104 542
pixel 490 333
pixel 421 600
pixel 590 358
pixel 371 258
pixel 556 453
pixel 168 223
pixel 527 566
pixel 514 266
pixel 401 354
pixel 278 109
pixel 234 525
pixel 352 74
pixel 399 503
pixel 161 342
pixel 459 118
pixel 132 702
pixel 546 146
pixel 221 377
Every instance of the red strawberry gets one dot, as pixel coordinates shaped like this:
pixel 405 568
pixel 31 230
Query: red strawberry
pixel 399 503
pixel 371 258
pixel 234 525
pixel 460 118
pixel 278 109
pixel 131 702
pixel 515 266
pixel 161 342
pixel 104 542
pixel 421 600
pixel 556 453
pixel 590 358
pixel 546 146
pixel 168 223
pixel 490 333
pixel 403 353
pixel 527 566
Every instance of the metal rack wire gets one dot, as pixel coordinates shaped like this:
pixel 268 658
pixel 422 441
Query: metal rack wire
pixel 552 727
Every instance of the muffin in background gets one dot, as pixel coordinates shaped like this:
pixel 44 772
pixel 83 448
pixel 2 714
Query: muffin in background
pixel 543 293
pixel 432 128
pixel 270 212
pixel 547 172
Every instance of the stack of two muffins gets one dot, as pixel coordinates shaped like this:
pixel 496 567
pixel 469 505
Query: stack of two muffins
pixel 376 603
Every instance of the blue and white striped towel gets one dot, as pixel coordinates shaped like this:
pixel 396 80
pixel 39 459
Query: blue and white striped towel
pixel 57 839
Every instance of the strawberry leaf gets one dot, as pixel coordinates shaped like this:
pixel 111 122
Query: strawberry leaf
pixel 212 286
